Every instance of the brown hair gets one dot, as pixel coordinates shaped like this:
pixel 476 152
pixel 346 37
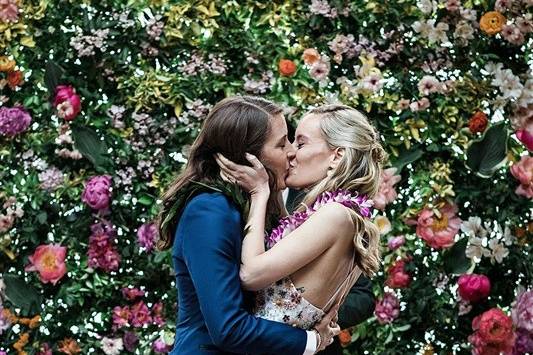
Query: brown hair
pixel 234 126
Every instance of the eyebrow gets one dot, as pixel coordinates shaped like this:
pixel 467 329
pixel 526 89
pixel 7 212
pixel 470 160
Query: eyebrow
pixel 301 136
pixel 282 139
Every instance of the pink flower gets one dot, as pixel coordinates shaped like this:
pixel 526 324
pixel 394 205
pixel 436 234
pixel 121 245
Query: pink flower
pixel 131 293
pixel 438 232
pixel 97 192
pixel 522 312
pixel 397 276
pixel 523 172
pixel 49 262
pixel 161 347
pixel 512 34
pixel 387 308
pixel 320 70
pixel 526 137
pixel 473 287
pixel 102 252
pixel 140 314
pixel 420 105
pixel 121 316
pixel 428 85
pixel 147 235
pixel 9 11
pixel 386 193
pixel 67 102
pixel 524 342
pixel 157 314
pixel 396 242
pixel 13 120
pixel 493 333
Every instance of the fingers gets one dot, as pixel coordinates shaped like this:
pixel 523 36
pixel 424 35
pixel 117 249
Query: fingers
pixel 336 330
pixel 222 160
pixel 254 161
pixel 331 314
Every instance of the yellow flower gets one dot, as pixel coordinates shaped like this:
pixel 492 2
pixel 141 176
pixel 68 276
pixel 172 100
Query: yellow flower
pixel 383 224
pixel 492 22
pixel 6 64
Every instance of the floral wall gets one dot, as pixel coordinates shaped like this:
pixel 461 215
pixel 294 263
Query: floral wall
pixel 100 101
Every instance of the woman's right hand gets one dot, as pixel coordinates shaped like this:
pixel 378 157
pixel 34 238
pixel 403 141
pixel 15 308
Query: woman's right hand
pixel 328 328
pixel 253 179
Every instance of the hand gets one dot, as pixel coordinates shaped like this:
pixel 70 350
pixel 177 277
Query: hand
pixel 328 328
pixel 253 179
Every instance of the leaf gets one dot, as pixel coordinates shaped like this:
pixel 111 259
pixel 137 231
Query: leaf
pixel 488 154
pixel 52 76
pixel 407 157
pixel 23 295
pixel 89 144
pixel 455 259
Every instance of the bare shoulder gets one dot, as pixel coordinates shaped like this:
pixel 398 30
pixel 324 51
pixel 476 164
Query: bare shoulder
pixel 335 215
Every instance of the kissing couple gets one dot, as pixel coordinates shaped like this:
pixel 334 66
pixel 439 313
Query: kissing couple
pixel 250 277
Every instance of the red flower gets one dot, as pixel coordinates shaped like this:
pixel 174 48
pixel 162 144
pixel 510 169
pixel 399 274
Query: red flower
pixel 14 79
pixel 473 288
pixel 345 337
pixel 286 67
pixel 398 277
pixel 478 122
pixel 67 102
pixel 494 326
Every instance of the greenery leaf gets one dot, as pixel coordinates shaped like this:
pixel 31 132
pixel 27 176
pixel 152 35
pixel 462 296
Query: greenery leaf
pixel 52 76
pixel 455 260
pixel 489 153
pixel 89 144
pixel 22 295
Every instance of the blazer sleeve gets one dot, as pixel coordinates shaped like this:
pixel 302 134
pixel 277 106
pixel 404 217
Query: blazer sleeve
pixel 211 228
pixel 358 305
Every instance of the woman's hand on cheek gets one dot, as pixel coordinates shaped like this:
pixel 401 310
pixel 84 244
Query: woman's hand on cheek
pixel 253 179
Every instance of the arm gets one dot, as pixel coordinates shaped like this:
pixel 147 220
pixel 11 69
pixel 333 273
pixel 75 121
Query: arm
pixel 358 305
pixel 211 228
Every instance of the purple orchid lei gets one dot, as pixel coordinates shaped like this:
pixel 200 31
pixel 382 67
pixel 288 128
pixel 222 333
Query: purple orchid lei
pixel 344 197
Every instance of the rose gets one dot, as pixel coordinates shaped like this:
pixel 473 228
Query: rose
pixel 492 22
pixel 97 193
pixel 473 287
pixel 523 172
pixel 13 120
pixel 67 102
pixel 14 79
pixel 494 326
pixel 49 262
pixel 478 122
pixel 398 277
pixel 286 67
pixel 387 309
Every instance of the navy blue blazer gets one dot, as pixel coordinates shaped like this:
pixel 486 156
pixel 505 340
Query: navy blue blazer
pixel 212 317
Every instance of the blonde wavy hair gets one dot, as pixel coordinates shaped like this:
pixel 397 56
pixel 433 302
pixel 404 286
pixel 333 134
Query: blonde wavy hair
pixel 359 170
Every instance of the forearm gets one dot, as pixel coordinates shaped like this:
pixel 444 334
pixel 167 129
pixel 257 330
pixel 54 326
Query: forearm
pixel 254 240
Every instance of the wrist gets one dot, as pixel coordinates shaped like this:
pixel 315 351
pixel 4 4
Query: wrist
pixel 318 340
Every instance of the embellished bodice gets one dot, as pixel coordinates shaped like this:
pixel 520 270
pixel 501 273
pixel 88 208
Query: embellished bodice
pixel 282 301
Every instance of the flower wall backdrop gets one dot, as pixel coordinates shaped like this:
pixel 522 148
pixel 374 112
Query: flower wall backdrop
pixel 101 99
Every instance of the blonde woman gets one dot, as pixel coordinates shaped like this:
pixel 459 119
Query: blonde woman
pixel 315 255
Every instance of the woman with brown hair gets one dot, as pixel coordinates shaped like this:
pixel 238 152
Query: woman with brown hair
pixel 201 220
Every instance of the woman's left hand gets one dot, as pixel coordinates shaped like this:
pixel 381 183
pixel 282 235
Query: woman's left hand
pixel 253 179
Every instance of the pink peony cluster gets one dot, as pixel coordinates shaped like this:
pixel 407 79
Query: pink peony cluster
pixel 473 287
pixel 97 192
pixel 387 309
pixel 386 193
pixel 493 333
pixel 522 315
pixel 67 102
pixel 138 315
pixel 147 236
pixel 523 172
pixel 438 232
pixel 102 252
pixel 13 120
pixel 398 277
pixel 49 262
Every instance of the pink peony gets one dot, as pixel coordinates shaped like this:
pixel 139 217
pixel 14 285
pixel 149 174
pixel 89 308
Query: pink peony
pixel 522 312
pixel 493 333
pixel 397 276
pixel 97 192
pixel 523 172
pixel 131 293
pixel 396 242
pixel 147 235
pixel 161 347
pixel 387 309
pixel 438 232
pixel 102 252
pixel 49 261
pixel 525 137
pixel 9 11
pixel 121 316
pixel 386 193
pixel 473 287
pixel 140 314
pixel 13 120
pixel 67 102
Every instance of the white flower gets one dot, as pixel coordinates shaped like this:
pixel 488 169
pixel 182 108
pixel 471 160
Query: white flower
pixel 438 33
pixel 383 224
pixel 527 94
pixel 428 84
pixel 112 346
pixel 508 238
pixel 508 83
pixel 464 32
pixel 422 27
pixel 473 228
pixel 475 249
pixel 427 6
pixel 493 68
pixel 372 82
pixel 468 14
pixel 498 251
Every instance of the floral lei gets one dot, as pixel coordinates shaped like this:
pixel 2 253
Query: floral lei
pixel 344 197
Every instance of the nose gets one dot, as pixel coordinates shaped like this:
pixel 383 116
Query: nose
pixel 291 151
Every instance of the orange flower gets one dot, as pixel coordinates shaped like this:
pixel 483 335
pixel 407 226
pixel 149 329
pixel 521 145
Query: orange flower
pixel 6 64
pixel 478 122
pixel 310 56
pixel 69 346
pixel 492 22
pixel 21 343
pixel 11 317
pixel 14 79
pixel 287 67
pixel 345 337
pixel 34 322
